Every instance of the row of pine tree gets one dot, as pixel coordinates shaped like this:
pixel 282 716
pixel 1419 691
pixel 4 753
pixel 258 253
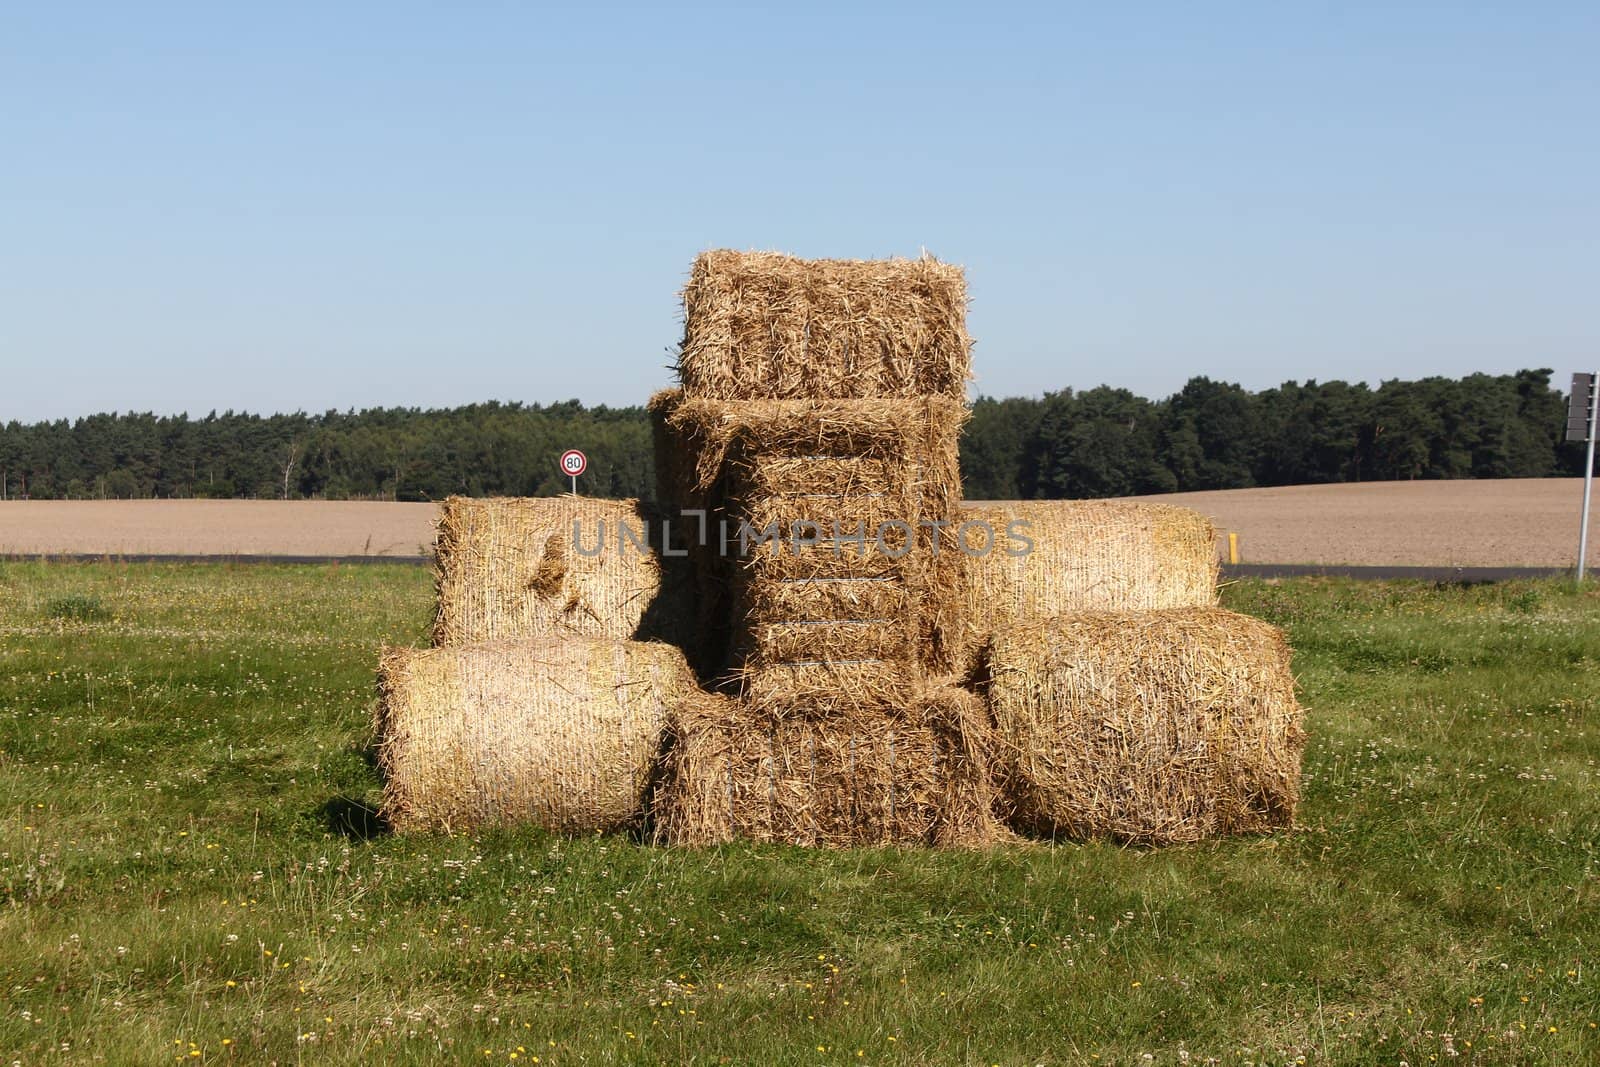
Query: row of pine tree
pixel 1069 444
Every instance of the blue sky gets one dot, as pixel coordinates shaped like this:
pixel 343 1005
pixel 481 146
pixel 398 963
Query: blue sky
pixel 312 206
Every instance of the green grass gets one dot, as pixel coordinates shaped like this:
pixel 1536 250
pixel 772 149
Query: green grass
pixel 188 864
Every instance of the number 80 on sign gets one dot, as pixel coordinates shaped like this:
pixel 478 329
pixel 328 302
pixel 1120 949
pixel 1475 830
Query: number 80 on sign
pixel 573 462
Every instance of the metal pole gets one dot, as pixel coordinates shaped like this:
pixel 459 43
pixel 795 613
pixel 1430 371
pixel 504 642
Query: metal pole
pixel 1588 479
pixel 575 493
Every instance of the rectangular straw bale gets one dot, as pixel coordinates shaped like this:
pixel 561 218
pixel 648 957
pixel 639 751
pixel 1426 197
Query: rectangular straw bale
pixel 827 560
pixel 1080 555
pixel 1153 727
pixel 849 611
pixel 918 776
pixel 765 326
pixel 824 688
pixel 781 476
pixel 508 567
pixel 827 597
pixel 560 732
pixel 755 451
pixel 917 436
pixel 832 640
pixel 855 616
pixel 828 516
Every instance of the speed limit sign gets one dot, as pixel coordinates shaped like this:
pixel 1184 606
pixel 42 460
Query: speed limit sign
pixel 574 463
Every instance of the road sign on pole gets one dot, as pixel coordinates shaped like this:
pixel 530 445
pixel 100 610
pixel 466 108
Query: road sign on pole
pixel 1583 407
pixel 574 463
pixel 1580 408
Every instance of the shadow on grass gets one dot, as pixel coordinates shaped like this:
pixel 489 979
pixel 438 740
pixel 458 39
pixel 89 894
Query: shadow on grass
pixel 354 819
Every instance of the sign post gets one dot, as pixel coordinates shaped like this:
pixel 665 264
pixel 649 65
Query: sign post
pixel 574 463
pixel 1583 407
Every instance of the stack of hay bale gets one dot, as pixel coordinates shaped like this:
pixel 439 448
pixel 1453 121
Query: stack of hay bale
pixel 817 428
pixel 846 654
pixel 1124 703
pixel 554 666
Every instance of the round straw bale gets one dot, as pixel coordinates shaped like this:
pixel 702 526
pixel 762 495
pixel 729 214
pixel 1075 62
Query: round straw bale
pixel 510 567
pixel 558 732
pixel 1030 560
pixel 1146 726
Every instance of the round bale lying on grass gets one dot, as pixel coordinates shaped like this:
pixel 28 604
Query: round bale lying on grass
pixel 1151 727
pixel 560 732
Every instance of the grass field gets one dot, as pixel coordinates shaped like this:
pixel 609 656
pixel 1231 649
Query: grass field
pixel 189 870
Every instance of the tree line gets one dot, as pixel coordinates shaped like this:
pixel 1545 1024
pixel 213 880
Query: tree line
pixel 1068 444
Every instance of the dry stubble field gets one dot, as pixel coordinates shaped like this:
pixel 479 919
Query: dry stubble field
pixel 1528 522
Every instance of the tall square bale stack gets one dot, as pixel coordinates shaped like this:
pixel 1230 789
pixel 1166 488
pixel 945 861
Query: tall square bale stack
pixel 1146 726
pixel 817 423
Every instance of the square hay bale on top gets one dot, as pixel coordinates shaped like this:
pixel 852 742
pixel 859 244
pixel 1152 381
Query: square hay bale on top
pixel 1146 726
pixel 561 732
pixel 509 568
pixel 915 776
pixel 765 326
pixel 1081 555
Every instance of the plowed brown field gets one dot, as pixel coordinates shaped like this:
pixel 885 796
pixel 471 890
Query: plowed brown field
pixel 216 527
pixel 1512 522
